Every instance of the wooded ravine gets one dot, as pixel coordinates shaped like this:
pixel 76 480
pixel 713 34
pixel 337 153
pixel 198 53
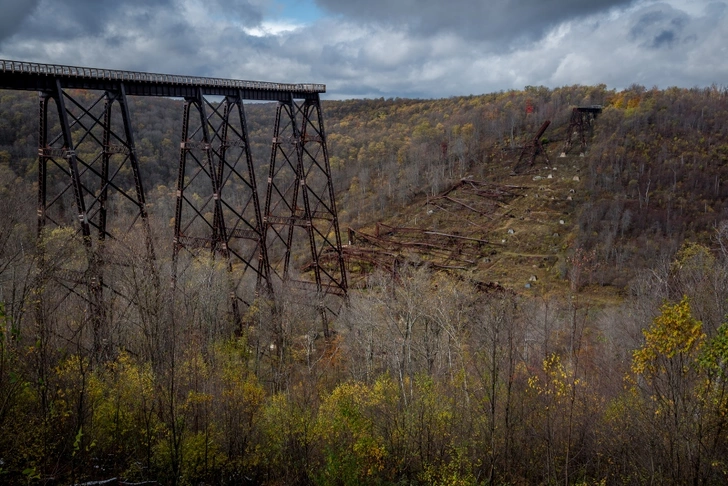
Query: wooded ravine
pixel 561 322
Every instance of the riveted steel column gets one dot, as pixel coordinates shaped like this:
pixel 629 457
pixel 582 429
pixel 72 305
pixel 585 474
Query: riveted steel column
pixel 42 161
pixel 177 242
pixel 70 156
pixel 320 137
pixel 263 278
pixel 134 161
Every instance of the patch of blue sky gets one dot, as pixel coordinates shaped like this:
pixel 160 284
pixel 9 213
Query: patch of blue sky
pixel 298 11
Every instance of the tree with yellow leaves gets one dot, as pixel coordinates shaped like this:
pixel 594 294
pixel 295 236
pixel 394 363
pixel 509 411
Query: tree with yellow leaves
pixel 674 370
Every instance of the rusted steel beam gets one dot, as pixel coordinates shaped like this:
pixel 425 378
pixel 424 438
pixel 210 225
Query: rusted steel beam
pixel 452 199
pixel 542 130
pixel 419 247
pixel 477 240
pixel 398 229
pixel 534 147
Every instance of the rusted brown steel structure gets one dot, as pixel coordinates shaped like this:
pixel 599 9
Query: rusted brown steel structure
pixel 217 205
pixel 300 217
pixel 94 157
pixel 581 124
pixel 532 149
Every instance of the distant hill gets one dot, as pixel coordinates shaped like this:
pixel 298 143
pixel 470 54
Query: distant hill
pixel 653 174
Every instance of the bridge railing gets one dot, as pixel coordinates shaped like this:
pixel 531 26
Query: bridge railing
pixel 116 75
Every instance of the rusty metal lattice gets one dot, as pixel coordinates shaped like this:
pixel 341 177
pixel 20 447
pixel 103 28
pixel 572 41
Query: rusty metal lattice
pixel 89 159
pixel 217 202
pixel 89 180
pixel 300 210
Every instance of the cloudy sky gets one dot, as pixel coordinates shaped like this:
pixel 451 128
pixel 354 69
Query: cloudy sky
pixel 389 48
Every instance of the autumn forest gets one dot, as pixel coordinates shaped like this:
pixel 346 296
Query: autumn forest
pixel 557 322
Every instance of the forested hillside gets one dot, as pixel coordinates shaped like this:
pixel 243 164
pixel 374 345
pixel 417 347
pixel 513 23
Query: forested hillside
pixel 562 323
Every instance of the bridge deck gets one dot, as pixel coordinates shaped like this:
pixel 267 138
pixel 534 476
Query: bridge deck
pixel 29 76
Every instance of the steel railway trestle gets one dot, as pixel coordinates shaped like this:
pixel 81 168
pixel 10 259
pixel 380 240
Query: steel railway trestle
pixel 91 165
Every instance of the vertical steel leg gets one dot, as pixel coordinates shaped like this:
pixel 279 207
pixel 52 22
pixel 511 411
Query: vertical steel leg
pixel 42 162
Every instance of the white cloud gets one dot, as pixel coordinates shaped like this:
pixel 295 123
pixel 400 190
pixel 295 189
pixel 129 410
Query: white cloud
pixel 273 28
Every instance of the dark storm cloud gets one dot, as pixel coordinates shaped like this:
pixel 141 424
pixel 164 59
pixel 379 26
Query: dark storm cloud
pixel 69 19
pixel 666 38
pixel 499 21
pixel 660 27
pixel 244 11
pixel 14 12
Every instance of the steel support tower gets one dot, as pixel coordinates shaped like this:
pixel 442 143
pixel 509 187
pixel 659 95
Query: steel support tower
pixel 89 179
pixel 88 173
pixel 218 208
pixel 581 125
pixel 301 221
